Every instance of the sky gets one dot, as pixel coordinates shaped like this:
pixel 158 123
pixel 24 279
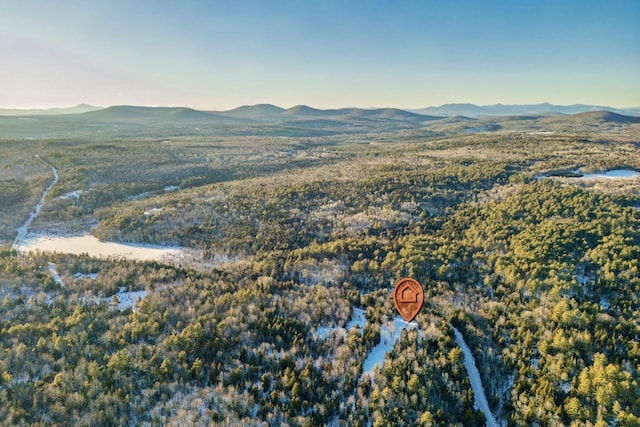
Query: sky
pixel 217 55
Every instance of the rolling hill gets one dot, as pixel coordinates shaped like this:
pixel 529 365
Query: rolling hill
pixel 129 113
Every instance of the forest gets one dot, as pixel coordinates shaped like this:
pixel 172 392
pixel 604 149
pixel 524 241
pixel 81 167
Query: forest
pixel 292 230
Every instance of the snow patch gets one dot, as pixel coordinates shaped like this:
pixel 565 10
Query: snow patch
pixel 71 195
pixel 92 276
pixel 604 304
pixel 126 299
pixel 53 270
pixel 152 211
pixel 357 319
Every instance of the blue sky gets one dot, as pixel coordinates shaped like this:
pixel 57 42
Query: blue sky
pixel 407 54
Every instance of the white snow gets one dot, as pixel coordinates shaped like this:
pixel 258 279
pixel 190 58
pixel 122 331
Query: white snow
pixel 613 174
pixel 92 246
pixel 127 299
pixel 152 211
pixel 479 396
pixel 357 319
pixel 92 276
pixel 72 195
pixel 54 273
pixel 389 334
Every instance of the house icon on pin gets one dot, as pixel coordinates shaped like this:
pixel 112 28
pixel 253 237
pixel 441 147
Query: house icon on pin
pixel 408 294
pixel 408 297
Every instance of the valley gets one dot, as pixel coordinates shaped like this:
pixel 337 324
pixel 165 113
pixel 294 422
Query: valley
pixel 236 267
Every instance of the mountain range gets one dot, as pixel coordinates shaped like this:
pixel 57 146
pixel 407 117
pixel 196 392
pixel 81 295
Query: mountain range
pixel 472 110
pixel 269 112
pixel 301 120
pixel 78 109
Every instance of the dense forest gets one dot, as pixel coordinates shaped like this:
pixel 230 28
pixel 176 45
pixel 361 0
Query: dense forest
pixel 538 272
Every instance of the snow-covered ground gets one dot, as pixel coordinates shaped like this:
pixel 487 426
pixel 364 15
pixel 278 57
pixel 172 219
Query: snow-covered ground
pixel 389 334
pixel 72 195
pixel 126 299
pixel 54 273
pixel 92 276
pixel 479 396
pixel 357 319
pixel 92 246
pixel 152 211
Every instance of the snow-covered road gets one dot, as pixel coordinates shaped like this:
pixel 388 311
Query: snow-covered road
pixel 476 383
pixel 22 231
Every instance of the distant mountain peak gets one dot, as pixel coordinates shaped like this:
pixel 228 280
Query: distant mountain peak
pixel 78 109
pixel 545 108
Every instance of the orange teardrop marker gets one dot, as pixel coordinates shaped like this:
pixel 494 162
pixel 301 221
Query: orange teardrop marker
pixel 408 297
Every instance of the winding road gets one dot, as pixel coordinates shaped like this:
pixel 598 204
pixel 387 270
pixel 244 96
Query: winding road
pixel 476 383
pixel 22 231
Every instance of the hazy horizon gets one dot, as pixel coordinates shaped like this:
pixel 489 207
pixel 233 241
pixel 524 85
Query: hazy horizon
pixel 218 55
pixel 286 107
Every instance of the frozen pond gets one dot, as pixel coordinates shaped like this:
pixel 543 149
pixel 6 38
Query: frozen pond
pixel 576 174
pixel 612 174
pixel 90 245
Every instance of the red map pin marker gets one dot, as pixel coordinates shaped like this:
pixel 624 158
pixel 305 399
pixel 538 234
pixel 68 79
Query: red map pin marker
pixel 408 297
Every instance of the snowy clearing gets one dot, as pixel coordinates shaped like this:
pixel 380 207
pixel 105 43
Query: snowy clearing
pixel 126 299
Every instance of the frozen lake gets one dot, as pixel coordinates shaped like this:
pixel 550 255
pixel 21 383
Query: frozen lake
pixel 612 174
pixel 93 247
